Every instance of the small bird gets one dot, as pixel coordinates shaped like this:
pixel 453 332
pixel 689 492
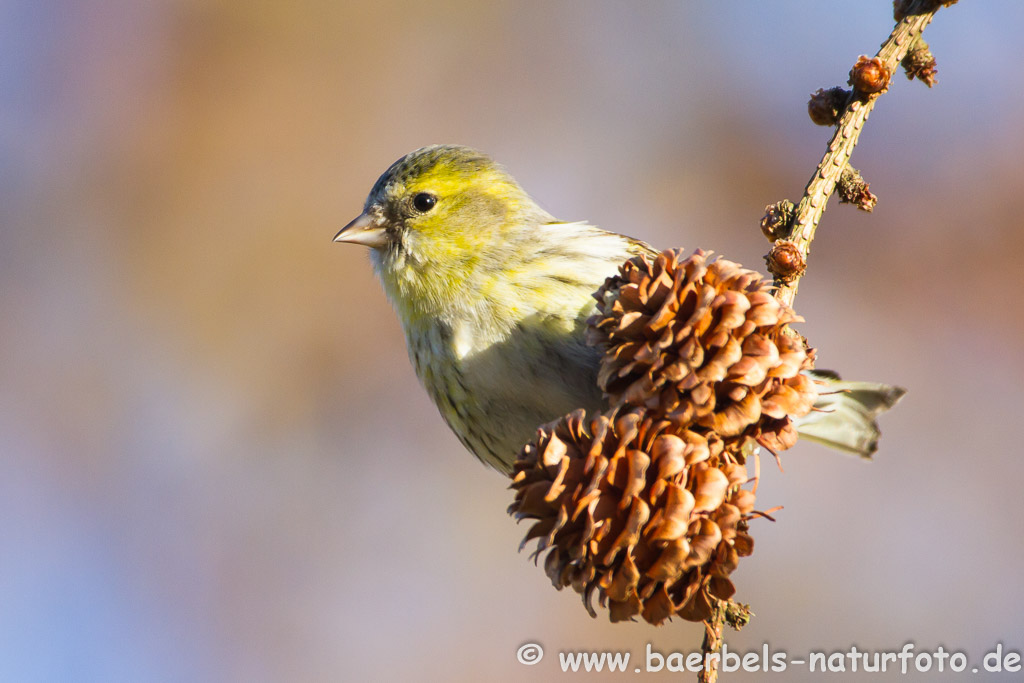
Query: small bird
pixel 494 293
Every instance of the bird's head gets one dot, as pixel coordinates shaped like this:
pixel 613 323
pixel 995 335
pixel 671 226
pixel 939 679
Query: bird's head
pixel 436 215
pixel 445 195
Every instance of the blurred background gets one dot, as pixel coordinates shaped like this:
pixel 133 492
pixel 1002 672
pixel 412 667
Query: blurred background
pixel 215 461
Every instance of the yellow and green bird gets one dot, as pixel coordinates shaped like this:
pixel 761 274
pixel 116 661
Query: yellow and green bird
pixel 493 294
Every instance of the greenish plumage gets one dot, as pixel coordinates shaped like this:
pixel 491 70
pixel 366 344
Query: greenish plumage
pixel 493 294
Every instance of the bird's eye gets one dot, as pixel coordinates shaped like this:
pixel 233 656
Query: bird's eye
pixel 424 201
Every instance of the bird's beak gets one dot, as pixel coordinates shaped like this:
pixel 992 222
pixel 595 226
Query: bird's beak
pixel 366 229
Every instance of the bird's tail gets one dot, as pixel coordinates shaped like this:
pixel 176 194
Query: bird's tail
pixel 845 412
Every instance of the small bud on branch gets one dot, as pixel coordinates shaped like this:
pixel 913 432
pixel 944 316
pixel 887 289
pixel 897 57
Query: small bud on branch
pixel 825 106
pixel 870 76
pixel 785 262
pixel 920 64
pixel 777 218
pixel 853 189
